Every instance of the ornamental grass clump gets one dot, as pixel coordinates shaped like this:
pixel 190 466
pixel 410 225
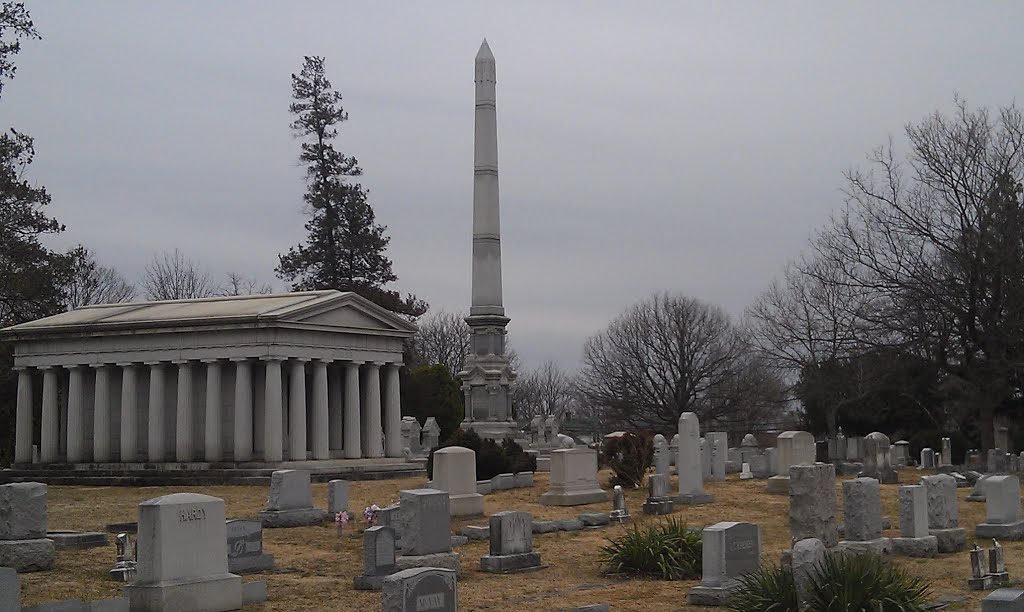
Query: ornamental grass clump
pixel 864 582
pixel 840 583
pixel 667 550
pixel 771 589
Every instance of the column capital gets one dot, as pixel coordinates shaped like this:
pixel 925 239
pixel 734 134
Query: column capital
pixel 73 366
pixel 180 362
pixel 239 359
pixel 324 360
pixel 354 362
pixel 99 365
pixel 21 368
pixel 376 364
pixel 301 359
pixel 126 364
pixel 213 360
pixel 273 358
pixel 46 367
pixel 153 363
pixel 394 364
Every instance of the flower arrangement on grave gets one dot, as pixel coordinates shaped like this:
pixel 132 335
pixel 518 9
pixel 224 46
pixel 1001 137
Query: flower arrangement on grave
pixel 341 519
pixel 370 514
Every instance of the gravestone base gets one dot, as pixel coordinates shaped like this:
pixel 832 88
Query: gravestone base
pixel 301 517
pixel 27 555
pixel 594 519
pixel 545 526
pixel 449 561
pixel 778 485
pixel 657 506
pixel 508 564
pixel 706 595
pixel 1008 531
pixel 950 540
pixel 926 547
pixel 574 498
pixel 980 584
pixel 1003 600
pixel 466 504
pixel 1000 579
pixel 693 499
pixel 878 546
pixel 77 539
pixel 369 583
pixel 250 564
pixel 210 594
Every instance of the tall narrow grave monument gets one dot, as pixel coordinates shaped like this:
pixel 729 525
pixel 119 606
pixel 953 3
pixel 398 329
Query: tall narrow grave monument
pixel 455 472
pixel 426 522
pixel 1002 510
pixel 487 375
pixel 794 448
pixel 688 462
pixel 914 540
pixel 862 514
pixel 812 503
pixel 23 542
pixel 944 513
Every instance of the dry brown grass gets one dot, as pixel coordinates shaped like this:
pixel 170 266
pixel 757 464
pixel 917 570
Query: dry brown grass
pixel 315 569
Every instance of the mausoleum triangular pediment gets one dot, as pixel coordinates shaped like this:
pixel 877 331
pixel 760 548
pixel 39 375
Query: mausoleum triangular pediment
pixel 350 311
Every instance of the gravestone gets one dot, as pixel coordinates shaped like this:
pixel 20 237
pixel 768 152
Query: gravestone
pixel 1002 438
pixel 807 557
pixel 862 514
pixel 772 454
pixel 431 435
pixel 10 589
pixel 748 448
pixel 1003 600
pixel 876 459
pixel 853 449
pixel 245 547
pixel 455 472
pixel 23 542
pixel 914 540
pixel 425 516
pixel 944 513
pixel 730 550
pixel 745 473
pixel 761 466
pixel 661 455
pixel 337 497
pixel 673 450
pixel 998 462
pixel 420 589
pixel 378 558
pixel 794 448
pixel 573 478
pixel 688 462
pixel 946 454
pixel 902 452
pixel 1002 510
pixel 182 559
pixel 658 500
pixel 812 503
pixel 719 441
pixel 705 459
pixel 619 513
pixel 411 436
pixel 927 459
pixel 511 535
pixel 291 501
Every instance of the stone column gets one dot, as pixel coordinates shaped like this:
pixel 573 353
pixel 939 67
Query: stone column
pixel 212 422
pixel 49 423
pixel 183 447
pixel 272 443
pixel 321 432
pixel 392 411
pixel 373 426
pixel 353 448
pixel 129 413
pixel 243 410
pixel 297 410
pixel 101 415
pixel 23 422
pixel 76 414
pixel 335 407
pixel 157 399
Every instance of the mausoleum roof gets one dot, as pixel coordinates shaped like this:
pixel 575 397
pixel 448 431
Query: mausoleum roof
pixel 307 308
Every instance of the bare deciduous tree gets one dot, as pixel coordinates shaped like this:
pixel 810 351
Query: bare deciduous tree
pixel 172 276
pixel 90 283
pixel 545 391
pixel 443 338
pixel 239 284
pixel 669 355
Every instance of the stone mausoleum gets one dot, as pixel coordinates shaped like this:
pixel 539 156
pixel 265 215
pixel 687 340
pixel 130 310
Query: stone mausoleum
pixel 263 378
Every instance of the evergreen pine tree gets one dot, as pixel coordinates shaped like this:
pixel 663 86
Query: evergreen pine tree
pixel 345 246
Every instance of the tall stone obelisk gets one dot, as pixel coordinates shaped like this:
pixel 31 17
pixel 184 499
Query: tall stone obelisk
pixel 486 375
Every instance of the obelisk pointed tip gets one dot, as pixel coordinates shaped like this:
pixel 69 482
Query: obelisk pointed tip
pixel 485 52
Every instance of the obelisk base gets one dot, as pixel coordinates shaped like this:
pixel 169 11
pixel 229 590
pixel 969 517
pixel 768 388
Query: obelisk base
pixel 492 430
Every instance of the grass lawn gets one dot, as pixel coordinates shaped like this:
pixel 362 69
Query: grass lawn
pixel 315 568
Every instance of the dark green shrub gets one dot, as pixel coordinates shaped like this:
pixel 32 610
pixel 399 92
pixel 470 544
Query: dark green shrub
pixel 772 589
pixel 491 458
pixel 865 582
pixel 667 550
pixel 629 456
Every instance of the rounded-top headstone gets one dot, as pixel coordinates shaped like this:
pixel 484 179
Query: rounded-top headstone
pixel 749 440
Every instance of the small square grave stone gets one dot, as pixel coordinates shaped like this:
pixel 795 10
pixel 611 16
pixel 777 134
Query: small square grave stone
pixel 419 590
pixel 730 550
pixel 378 558
pixel 291 501
pixel 511 535
pixel 245 547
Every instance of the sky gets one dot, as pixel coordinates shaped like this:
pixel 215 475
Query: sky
pixel 643 147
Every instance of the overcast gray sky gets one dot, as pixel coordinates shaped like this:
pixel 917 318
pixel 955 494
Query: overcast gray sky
pixel 647 146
